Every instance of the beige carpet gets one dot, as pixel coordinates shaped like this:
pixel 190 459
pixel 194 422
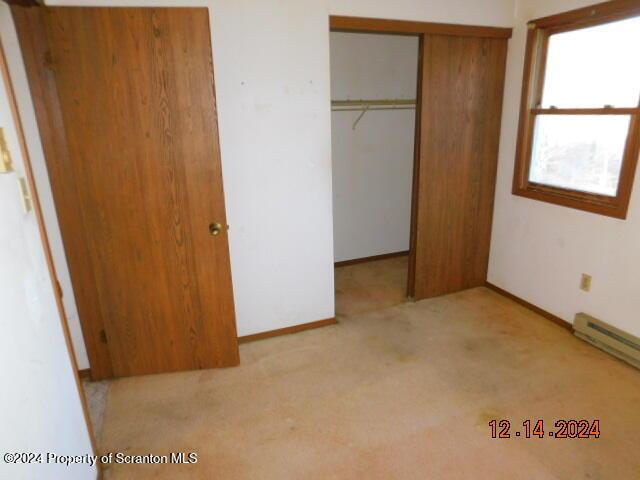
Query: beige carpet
pixel 371 286
pixel 404 392
pixel 96 396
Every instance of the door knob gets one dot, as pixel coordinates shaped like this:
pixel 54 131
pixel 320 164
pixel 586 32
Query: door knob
pixel 215 228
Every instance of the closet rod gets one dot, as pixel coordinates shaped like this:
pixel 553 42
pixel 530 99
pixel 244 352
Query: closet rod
pixel 364 106
pixel 371 103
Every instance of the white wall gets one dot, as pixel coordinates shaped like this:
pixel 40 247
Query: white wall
pixel 271 62
pixel 373 164
pixel 539 250
pixel 40 409
pixel 10 41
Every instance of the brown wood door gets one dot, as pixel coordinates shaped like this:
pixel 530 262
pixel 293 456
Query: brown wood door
pixel 126 109
pixel 462 85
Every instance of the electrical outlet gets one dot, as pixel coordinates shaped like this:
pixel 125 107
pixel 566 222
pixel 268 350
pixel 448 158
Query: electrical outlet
pixel 585 282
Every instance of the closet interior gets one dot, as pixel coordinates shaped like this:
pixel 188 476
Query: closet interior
pixel 373 116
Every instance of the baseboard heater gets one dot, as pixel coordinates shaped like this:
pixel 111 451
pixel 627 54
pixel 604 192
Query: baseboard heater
pixel 608 338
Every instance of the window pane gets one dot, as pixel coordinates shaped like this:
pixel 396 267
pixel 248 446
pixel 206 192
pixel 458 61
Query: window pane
pixel 579 152
pixel 593 67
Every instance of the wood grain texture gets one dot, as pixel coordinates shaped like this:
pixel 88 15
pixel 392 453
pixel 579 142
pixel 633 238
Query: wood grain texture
pixel 288 330
pixel 33 42
pixel 598 13
pixel 126 109
pixel 46 246
pixel 403 27
pixel 25 3
pixel 415 183
pixel 462 85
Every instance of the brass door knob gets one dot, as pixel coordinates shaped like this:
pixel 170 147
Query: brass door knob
pixel 215 228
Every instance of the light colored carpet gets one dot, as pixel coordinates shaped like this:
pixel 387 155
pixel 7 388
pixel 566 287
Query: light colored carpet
pixel 370 286
pixel 404 392
pixel 96 395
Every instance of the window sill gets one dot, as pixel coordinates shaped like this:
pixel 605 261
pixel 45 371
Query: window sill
pixel 601 205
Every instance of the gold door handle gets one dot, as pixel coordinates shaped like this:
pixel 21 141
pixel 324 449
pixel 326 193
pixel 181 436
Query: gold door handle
pixel 215 228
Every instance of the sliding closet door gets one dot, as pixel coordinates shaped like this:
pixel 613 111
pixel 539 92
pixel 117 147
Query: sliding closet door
pixel 127 114
pixel 462 85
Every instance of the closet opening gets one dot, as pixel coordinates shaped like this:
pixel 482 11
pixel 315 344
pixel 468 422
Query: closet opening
pixel 374 113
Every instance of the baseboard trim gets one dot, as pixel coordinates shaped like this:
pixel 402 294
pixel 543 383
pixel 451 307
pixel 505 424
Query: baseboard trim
pixel 384 256
pixel 543 313
pixel 84 374
pixel 288 330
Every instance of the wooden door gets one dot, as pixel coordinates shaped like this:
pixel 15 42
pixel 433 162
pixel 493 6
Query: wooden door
pixel 462 85
pixel 126 109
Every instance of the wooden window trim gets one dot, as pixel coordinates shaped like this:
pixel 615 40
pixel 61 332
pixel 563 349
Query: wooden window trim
pixel 533 80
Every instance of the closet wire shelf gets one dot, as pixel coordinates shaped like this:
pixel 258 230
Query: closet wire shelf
pixel 369 105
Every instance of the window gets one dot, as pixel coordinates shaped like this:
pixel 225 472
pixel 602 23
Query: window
pixel 579 133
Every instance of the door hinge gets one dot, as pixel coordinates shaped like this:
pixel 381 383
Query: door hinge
pixel 103 336
pixel 59 287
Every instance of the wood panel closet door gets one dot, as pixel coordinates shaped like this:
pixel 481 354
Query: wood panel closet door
pixel 459 122
pixel 126 109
